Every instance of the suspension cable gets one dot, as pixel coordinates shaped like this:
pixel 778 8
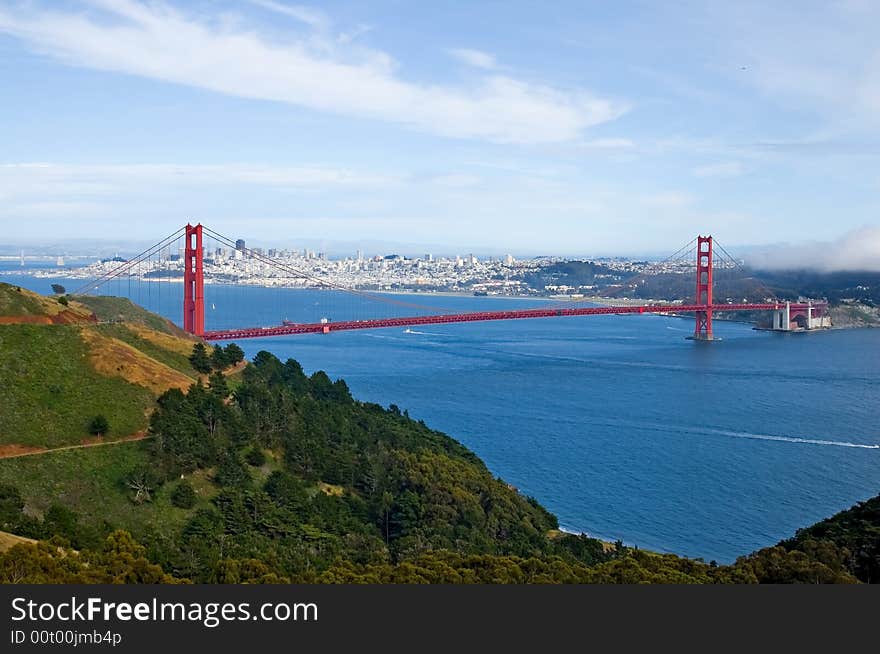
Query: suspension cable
pixel 127 265
pixel 321 282
pixel 727 254
pixel 677 254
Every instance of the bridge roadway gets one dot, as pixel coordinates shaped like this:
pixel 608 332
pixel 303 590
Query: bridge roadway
pixel 477 316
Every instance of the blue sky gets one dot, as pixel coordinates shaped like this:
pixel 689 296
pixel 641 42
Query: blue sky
pixel 570 127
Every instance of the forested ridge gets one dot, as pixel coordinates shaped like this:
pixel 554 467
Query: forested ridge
pixel 304 482
pixel 287 478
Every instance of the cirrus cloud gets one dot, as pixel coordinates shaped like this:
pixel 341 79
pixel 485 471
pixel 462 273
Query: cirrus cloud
pixel 162 42
pixel 724 169
pixel 475 58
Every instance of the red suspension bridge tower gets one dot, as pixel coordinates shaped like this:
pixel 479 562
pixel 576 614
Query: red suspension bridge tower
pixel 703 327
pixel 194 282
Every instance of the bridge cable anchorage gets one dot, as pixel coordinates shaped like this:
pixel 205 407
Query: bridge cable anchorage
pixel 127 265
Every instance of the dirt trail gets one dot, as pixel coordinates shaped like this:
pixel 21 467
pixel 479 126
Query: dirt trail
pixel 14 451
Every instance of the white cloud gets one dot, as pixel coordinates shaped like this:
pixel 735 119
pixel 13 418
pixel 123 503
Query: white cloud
pixel 47 180
pixel 475 58
pixel 160 42
pixel 456 180
pixel 307 15
pixel 726 169
pixel 59 208
pixel 354 33
pixel 608 144
pixel 669 200
pixel 855 250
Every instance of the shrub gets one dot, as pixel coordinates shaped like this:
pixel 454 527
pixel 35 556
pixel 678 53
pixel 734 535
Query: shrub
pixel 99 426
pixel 184 496
pixel 255 457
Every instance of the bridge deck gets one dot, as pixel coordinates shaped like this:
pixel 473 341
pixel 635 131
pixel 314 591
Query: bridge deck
pixel 476 316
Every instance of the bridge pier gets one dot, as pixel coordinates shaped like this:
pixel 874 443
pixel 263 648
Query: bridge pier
pixel 780 319
pixel 800 318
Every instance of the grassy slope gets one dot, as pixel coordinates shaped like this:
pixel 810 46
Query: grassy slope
pixel 58 369
pixel 123 310
pixel 91 482
pixel 18 305
pixel 166 349
pixel 11 540
pixel 51 390
pixel 18 302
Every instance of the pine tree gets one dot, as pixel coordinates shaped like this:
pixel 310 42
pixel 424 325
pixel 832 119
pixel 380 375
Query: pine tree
pixel 199 359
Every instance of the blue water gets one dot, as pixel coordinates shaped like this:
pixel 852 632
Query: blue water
pixel 616 423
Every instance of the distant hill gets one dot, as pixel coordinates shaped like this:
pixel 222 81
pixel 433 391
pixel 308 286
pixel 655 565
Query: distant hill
pixel 65 361
pixel 669 286
pixel 857 292
pixel 862 287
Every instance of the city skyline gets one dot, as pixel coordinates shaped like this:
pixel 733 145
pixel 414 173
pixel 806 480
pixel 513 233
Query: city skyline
pixel 492 128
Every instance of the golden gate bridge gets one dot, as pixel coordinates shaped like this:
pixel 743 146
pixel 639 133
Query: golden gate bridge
pixel 148 266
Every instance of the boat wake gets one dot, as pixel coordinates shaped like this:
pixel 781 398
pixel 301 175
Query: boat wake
pixel 420 333
pixel 791 439
pixel 708 431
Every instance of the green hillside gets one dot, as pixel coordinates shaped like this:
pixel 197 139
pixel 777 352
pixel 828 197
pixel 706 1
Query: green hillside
pixel 52 391
pixel 91 483
pixel 290 470
pixel 62 364
pixel 118 309
pixel 19 306
pixel 854 533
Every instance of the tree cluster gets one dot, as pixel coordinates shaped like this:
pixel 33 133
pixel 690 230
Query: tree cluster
pixel 217 359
